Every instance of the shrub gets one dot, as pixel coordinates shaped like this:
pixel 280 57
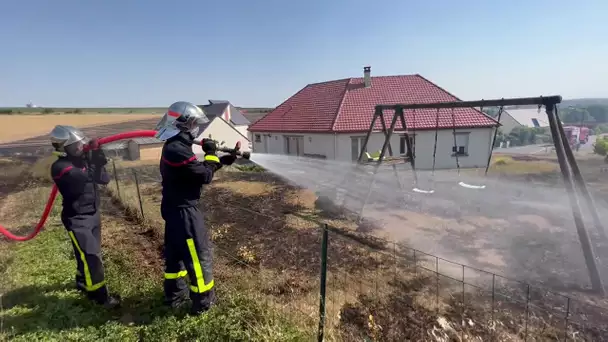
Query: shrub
pixel 501 161
pixel 601 128
pixel 47 111
pixel 601 146
pixel 250 168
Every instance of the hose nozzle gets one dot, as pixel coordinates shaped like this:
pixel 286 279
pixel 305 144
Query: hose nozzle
pixel 236 150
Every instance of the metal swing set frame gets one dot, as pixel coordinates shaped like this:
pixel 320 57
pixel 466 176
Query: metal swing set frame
pixel 570 171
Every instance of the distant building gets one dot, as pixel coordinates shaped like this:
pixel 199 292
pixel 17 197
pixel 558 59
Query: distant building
pixel 230 114
pixel 522 117
pixel 255 114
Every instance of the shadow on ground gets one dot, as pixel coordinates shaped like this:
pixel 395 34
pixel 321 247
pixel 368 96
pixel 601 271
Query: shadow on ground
pixel 60 307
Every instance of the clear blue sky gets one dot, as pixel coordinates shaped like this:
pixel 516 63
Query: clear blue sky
pixel 257 53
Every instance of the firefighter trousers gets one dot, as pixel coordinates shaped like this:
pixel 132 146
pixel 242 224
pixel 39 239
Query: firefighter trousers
pixel 187 252
pixel 85 234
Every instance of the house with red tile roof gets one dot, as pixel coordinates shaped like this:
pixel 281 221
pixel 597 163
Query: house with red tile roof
pixel 330 119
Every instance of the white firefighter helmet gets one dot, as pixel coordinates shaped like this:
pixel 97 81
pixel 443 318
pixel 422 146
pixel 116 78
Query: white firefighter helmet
pixel 180 117
pixel 68 140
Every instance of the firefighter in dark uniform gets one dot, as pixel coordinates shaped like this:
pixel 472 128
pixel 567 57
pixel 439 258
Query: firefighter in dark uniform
pixel 187 248
pixel 77 175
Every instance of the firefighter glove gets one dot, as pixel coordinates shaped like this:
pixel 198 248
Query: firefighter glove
pixel 93 144
pixel 209 146
pixel 98 157
pixel 228 159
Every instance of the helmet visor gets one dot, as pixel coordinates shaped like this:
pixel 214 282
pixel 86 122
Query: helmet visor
pixel 166 132
pixel 75 149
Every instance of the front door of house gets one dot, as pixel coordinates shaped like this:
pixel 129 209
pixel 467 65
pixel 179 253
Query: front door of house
pixel 294 146
pixel 265 139
pixel 356 144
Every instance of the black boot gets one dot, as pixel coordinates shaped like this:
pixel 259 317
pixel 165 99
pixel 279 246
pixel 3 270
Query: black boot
pixel 102 297
pixel 176 292
pixel 112 302
pixel 80 284
pixel 176 300
pixel 201 303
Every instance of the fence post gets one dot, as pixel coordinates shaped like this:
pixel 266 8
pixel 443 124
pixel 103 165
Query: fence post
pixel 141 206
pixel 116 179
pixel 323 281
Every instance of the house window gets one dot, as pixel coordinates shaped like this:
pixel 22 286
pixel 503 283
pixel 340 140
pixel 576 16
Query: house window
pixel 461 147
pixel 258 138
pixel 356 144
pixel 403 145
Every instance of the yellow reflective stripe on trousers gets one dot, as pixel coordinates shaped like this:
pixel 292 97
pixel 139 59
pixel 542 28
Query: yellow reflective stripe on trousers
pixel 200 285
pixel 176 275
pixel 211 157
pixel 87 273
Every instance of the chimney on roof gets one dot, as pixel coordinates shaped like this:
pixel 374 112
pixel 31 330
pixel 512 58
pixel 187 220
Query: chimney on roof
pixel 367 76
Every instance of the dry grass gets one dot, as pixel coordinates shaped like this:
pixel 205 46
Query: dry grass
pixel 41 169
pixel 16 127
pixel 507 165
pixel 150 154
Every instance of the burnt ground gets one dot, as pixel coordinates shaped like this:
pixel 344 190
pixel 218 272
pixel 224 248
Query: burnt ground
pixel 40 145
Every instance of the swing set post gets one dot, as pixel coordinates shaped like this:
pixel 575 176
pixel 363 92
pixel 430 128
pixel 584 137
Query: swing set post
pixel 378 114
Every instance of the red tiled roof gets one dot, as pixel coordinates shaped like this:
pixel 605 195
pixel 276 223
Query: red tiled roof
pixel 347 106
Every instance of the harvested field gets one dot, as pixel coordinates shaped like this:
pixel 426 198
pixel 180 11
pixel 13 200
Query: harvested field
pixel 19 127
pixel 39 144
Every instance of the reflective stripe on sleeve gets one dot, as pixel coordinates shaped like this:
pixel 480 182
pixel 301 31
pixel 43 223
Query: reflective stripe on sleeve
pixel 212 158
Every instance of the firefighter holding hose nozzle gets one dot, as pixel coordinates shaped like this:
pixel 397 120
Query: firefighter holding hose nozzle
pixel 187 246
pixel 77 175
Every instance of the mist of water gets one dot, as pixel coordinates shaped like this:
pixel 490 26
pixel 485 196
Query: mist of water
pixel 519 229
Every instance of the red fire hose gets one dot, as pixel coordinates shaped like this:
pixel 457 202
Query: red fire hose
pixel 53 195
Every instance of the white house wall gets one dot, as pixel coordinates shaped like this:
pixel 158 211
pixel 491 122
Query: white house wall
pixel 314 144
pixel 338 146
pixel 243 129
pixel 508 123
pixel 478 147
pixel 220 130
